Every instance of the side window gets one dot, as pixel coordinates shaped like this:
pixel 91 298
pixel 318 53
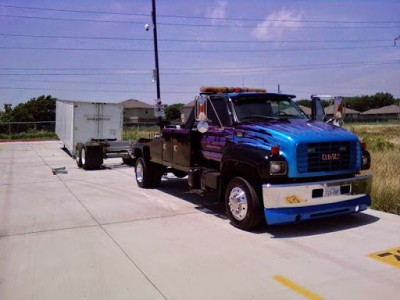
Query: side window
pixel 222 109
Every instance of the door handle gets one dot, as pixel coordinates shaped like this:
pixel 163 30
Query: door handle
pixel 175 148
pixel 164 146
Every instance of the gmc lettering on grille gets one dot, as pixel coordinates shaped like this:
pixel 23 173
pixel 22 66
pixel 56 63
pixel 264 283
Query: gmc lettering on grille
pixel 331 156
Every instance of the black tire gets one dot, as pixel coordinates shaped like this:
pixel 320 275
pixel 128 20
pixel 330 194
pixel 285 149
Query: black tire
pixel 91 157
pixel 143 173
pixel 242 204
pixel 85 158
pixel 78 157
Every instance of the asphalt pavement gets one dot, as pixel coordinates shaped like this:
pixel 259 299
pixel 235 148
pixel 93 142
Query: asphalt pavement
pixel 96 235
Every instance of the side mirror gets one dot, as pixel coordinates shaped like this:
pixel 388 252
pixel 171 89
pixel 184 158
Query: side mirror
pixel 201 113
pixel 338 111
pixel 317 109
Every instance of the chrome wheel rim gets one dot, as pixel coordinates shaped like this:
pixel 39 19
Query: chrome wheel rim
pixel 238 203
pixel 83 155
pixel 77 156
pixel 139 172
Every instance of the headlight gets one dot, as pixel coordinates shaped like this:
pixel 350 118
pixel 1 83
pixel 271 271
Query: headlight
pixel 277 168
pixel 365 160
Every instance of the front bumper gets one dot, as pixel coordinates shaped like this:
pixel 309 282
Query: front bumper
pixel 286 203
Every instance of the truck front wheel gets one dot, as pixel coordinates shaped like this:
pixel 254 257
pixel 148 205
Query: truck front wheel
pixel 243 204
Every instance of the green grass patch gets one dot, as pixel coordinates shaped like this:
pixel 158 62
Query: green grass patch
pixel 29 135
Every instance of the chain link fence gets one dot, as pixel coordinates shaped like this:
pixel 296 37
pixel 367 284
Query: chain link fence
pixel 46 130
pixel 27 130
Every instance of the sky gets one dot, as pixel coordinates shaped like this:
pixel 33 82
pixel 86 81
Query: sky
pixel 109 57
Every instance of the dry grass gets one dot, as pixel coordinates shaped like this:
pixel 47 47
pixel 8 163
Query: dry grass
pixel 134 133
pixel 383 142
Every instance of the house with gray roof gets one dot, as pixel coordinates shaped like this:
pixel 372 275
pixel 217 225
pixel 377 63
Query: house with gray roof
pixel 136 111
pixel 306 110
pixel 186 110
pixel 390 112
pixel 349 114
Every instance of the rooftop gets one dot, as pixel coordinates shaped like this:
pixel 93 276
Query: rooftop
pixel 329 110
pixel 133 103
pixel 390 109
pixel 306 109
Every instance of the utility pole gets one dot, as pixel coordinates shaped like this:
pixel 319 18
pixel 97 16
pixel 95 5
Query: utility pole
pixel 279 88
pixel 395 41
pixel 159 112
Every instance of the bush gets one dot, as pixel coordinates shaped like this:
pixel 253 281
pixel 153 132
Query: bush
pixel 378 144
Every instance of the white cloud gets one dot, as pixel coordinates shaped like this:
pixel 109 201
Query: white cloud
pixel 217 12
pixel 264 32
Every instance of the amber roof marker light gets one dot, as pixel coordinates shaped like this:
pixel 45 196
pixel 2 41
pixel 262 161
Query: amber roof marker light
pixel 222 89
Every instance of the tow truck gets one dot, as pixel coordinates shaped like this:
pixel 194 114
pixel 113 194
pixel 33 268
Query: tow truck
pixel 262 157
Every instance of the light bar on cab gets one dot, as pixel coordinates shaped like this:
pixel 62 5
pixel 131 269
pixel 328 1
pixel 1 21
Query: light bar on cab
pixel 221 89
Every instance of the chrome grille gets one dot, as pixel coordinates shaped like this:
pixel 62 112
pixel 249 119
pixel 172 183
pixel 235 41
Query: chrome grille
pixel 325 157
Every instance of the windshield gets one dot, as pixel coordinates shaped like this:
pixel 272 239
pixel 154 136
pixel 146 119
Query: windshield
pixel 263 106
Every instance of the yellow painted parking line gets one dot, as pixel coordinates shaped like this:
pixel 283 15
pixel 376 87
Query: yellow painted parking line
pixel 391 256
pixel 297 288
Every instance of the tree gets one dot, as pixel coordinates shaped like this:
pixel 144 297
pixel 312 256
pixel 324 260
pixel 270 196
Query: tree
pixel 304 102
pixel 42 108
pixel 364 103
pixel 173 112
pixel 307 103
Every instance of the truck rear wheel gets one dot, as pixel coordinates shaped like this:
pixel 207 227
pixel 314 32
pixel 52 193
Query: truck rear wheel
pixel 143 173
pixel 243 204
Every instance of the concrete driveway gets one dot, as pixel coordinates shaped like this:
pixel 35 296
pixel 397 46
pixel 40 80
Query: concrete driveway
pixel 96 235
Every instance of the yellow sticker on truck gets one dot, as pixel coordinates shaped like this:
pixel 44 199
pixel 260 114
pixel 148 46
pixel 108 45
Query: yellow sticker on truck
pixel 391 256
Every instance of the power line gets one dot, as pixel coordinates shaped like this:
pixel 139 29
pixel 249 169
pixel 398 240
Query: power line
pixel 238 71
pixel 97 82
pixel 146 92
pixel 205 68
pixel 189 40
pixel 196 17
pixel 198 25
pixel 192 51
pixel 172 85
pixel 344 94
pixel 89 90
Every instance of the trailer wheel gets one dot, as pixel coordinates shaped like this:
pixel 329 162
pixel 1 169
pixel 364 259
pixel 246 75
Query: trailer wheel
pixel 144 173
pixel 243 204
pixel 84 158
pixel 78 156
pixel 91 157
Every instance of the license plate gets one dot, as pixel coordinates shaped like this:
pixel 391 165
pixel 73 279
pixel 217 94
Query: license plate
pixel 332 191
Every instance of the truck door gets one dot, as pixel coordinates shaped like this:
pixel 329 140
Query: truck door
pixel 215 140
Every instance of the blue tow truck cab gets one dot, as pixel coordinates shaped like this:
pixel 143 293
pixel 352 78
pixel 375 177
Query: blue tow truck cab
pixel 262 157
